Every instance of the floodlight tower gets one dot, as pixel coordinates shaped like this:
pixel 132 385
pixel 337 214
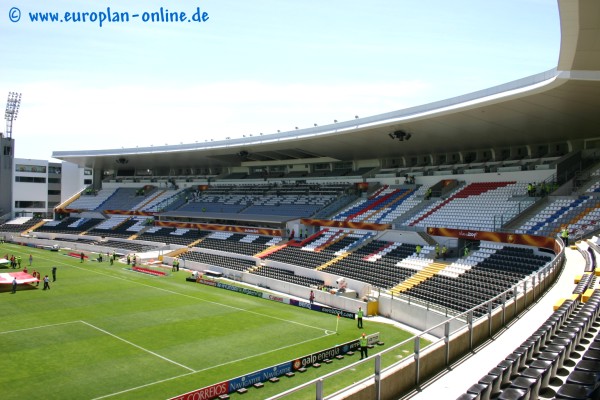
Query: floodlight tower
pixel 12 110
pixel 7 156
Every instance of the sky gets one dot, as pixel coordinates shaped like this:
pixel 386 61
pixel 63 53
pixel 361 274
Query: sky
pixel 242 67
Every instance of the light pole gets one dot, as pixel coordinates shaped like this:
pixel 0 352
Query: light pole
pixel 12 110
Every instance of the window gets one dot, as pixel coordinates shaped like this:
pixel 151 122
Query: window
pixel 53 192
pixel 30 204
pixel 41 169
pixel 53 180
pixel 29 179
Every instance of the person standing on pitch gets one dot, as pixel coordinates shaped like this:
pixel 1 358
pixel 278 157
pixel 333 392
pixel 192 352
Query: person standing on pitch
pixel 359 317
pixel 46 283
pixel 14 285
pixel 53 274
pixel 363 346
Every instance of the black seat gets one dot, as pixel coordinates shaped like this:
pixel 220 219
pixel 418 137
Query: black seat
pixel 467 396
pixel 515 361
pixel 529 346
pixel 492 379
pixel 482 391
pixel 589 366
pixel 505 368
pixel 561 350
pixel 591 354
pixel 567 343
pixel 525 356
pixel 584 378
pixel 554 358
pixel 513 394
pixel 538 373
pixel 531 385
pixel 549 370
pixel 573 392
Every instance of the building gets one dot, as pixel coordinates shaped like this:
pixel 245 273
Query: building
pixel 38 185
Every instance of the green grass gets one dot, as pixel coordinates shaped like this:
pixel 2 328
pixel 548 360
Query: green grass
pixel 104 331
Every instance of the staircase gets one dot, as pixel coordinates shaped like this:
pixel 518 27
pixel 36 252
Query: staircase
pixel 428 239
pixel 424 274
pixel 160 193
pixel 34 227
pixel 195 242
pixel 177 253
pixel 523 217
pixel 331 262
pixel 390 205
pixel 270 250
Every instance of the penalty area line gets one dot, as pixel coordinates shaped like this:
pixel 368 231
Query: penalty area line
pixel 142 386
pixel 204 369
pixel 173 292
pixel 137 346
pixel 39 327
pixel 180 294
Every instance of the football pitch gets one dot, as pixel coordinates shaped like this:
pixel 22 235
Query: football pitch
pixel 106 332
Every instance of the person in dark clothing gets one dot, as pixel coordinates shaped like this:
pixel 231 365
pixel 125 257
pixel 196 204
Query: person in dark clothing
pixel 53 274
pixel 14 285
pixel 46 283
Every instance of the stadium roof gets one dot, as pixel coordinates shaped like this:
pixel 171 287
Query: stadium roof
pixel 555 106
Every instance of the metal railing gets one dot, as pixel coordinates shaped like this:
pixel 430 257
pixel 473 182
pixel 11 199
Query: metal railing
pixel 484 327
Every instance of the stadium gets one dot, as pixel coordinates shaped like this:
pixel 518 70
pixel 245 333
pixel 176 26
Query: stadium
pixel 465 230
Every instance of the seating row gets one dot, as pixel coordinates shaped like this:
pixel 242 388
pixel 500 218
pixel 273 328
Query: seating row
pixel 566 345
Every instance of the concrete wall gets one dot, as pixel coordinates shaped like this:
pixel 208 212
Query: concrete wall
pixel 329 279
pixel 408 374
pixel 413 315
pixel 332 300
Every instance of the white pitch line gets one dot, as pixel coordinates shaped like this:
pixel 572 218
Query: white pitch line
pixel 137 346
pixel 183 366
pixel 40 327
pixel 201 370
pixel 259 354
pixel 191 297
pixel 201 299
pixel 142 386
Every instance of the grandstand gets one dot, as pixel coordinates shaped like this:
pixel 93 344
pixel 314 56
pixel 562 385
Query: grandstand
pixel 443 236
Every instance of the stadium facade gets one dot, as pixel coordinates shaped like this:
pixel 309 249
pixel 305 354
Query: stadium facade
pixel 520 154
